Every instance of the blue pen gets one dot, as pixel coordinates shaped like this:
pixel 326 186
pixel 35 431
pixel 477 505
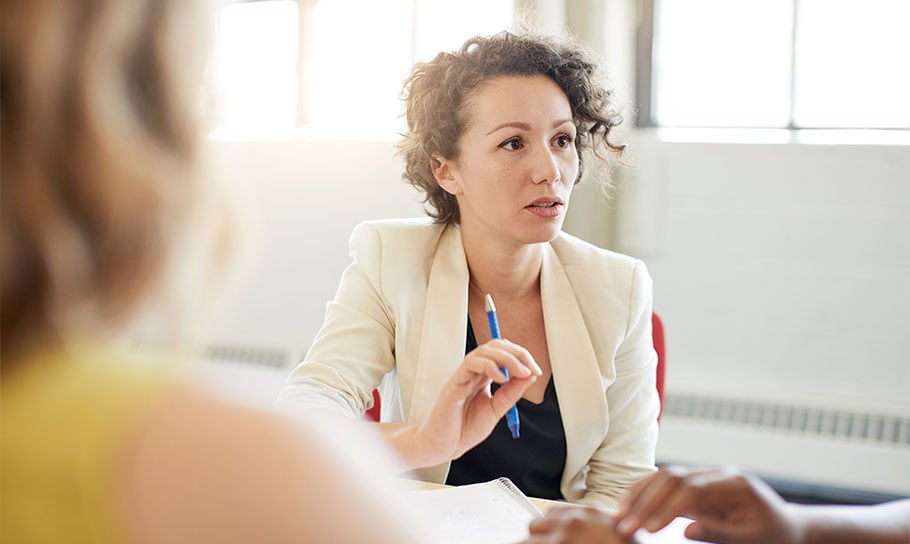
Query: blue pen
pixel 512 414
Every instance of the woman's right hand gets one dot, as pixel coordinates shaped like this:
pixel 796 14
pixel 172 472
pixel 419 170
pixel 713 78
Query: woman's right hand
pixel 466 411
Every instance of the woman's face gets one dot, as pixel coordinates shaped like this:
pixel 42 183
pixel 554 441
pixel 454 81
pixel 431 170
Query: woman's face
pixel 517 161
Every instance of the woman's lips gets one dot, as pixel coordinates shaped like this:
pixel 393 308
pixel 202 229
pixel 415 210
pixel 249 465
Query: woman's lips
pixel 546 208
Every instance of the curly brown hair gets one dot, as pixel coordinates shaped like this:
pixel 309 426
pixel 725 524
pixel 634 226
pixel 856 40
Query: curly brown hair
pixel 435 94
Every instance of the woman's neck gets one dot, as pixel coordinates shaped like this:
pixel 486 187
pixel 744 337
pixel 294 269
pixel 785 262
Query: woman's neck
pixel 511 272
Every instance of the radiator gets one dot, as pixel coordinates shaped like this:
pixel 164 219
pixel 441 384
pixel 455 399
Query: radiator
pixel 809 444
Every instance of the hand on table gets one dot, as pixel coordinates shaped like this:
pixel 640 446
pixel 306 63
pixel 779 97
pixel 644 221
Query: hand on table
pixel 727 506
pixel 575 525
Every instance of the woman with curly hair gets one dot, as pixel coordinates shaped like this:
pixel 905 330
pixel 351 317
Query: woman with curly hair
pixel 496 136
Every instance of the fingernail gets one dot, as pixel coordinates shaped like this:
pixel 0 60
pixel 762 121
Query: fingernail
pixel 524 371
pixel 625 526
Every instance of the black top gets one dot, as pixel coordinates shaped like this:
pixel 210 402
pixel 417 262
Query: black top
pixel 534 462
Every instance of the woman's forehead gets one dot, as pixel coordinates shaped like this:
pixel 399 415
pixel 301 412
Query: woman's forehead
pixel 532 99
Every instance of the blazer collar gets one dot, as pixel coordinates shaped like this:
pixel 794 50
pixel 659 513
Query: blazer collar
pixel 576 375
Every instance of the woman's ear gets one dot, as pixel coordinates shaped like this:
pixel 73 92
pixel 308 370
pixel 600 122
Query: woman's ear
pixel 444 172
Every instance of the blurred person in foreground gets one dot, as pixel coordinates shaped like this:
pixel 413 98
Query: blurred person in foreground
pixel 728 507
pixel 99 188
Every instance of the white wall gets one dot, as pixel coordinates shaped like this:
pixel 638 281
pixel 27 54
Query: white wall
pixel 781 270
pixel 306 196
pixel 782 273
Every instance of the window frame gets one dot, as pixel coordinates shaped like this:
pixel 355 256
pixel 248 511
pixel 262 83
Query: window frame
pixel 644 70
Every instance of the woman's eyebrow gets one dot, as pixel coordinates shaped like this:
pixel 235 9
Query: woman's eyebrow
pixel 525 126
pixel 512 124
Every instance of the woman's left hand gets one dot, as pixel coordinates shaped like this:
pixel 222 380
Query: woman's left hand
pixel 466 412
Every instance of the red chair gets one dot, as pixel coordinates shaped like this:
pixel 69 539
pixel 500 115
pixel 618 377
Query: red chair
pixel 657 334
pixel 373 413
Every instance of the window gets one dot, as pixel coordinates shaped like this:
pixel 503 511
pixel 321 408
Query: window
pixel 777 64
pixel 253 82
pixel 332 67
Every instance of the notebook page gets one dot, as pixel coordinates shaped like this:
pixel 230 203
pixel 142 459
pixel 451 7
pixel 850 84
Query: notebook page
pixel 485 513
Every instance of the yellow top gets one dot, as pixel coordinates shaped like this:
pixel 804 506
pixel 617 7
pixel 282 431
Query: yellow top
pixel 66 417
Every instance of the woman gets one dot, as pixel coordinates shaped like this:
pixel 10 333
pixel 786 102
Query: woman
pixel 495 138
pixel 99 184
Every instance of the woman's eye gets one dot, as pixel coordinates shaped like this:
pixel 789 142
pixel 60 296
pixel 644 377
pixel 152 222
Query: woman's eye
pixel 512 144
pixel 563 140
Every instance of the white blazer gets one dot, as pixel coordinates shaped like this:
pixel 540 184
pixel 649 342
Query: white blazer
pixel 400 317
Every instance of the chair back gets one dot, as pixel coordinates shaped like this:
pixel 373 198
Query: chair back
pixel 373 413
pixel 657 334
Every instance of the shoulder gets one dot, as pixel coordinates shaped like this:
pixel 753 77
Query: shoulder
pixel 603 278
pixel 395 232
pixel 221 458
pixel 67 413
pixel 576 254
pixel 386 248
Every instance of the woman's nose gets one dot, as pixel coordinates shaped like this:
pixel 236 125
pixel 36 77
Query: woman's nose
pixel 546 167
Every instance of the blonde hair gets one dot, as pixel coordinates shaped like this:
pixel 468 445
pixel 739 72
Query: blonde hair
pixel 99 145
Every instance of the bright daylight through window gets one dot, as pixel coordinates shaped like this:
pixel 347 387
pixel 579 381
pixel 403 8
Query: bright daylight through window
pixel 352 59
pixel 781 63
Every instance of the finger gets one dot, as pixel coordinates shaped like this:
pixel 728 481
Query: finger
pixel 480 359
pixel 507 395
pixel 524 356
pixel 691 495
pixel 541 538
pixel 476 367
pixel 520 356
pixel 633 495
pixel 679 502
pixel 649 501
pixel 479 368
pixel 700 492
pixel 709 531
pixel 721 484
pixel 560 510
pixel 643 504
pixel 542 525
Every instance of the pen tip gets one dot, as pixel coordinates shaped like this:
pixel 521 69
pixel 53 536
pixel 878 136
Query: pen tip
pixel 488 303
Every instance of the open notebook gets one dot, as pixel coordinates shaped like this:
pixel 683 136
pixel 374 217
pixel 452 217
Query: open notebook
pixel 494 512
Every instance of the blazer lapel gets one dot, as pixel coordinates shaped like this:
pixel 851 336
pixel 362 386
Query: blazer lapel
pixel 445 321
pixel 576 377
pixel 442 340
